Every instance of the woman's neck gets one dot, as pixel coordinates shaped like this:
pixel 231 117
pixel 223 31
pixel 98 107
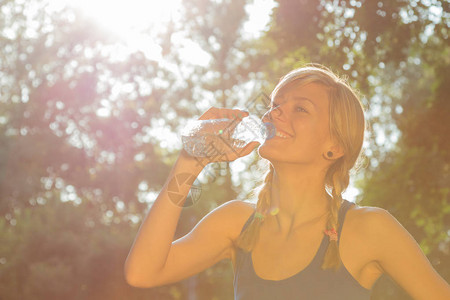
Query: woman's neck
pixel 299 197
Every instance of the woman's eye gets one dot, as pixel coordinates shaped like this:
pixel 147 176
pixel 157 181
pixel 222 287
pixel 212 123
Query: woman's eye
pixel 297 108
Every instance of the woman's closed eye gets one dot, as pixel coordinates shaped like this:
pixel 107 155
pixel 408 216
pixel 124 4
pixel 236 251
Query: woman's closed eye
pixel 272 106
pixel 300 109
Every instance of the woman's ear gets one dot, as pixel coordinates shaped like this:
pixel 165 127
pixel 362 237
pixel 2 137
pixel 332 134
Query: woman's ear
pixel 334 152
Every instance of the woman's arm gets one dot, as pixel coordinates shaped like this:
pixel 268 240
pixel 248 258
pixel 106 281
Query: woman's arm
pixel 154 259
pixel 401 257
pixel 151 247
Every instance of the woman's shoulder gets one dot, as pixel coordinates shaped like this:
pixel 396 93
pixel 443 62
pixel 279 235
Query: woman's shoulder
pixel 236 212
pixel 239 209
pixel 365 215
pixel 240 206
pixel 232 215
pixel 369 221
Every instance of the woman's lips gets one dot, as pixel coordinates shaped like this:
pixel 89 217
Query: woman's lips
pixel 282 134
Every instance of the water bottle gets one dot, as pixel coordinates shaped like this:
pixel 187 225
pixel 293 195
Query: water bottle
pixel 217 137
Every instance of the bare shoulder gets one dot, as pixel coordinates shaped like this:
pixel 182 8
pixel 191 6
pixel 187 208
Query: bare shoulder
pixel 232 215
pixel 237 213
pixel 374 227
pixel 369 219
pixel 236 208
pixel 364 237
pixel 363 221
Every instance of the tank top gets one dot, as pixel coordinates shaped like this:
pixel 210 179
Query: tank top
pixel 310 283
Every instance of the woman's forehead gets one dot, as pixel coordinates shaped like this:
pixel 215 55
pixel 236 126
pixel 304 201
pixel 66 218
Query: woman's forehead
pixel 315 92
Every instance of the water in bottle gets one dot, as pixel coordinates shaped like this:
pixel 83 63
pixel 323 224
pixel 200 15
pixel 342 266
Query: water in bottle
pixel 216 137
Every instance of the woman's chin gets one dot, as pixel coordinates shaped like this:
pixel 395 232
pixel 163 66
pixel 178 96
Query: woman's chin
pixel 265 152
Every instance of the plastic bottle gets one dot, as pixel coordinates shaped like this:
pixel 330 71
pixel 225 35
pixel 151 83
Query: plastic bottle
pixel 216 137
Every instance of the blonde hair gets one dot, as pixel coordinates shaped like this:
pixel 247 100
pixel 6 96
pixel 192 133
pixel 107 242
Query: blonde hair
pixel 347 125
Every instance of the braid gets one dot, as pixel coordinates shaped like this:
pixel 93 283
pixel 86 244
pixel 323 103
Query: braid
pixel 337 180
pixel 346 128
pixel 249 237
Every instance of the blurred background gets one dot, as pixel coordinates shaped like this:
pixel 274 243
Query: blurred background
pixel 94 93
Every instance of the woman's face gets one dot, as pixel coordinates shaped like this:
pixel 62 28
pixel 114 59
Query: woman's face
pixel 300 114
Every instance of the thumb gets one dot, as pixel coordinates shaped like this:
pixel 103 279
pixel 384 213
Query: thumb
pixel 254 145
pixel 250 147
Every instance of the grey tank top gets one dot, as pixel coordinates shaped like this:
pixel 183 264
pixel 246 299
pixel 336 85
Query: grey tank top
pixel 310 283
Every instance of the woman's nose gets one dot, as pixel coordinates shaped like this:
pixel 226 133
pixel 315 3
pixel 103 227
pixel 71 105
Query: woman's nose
pixel 273 113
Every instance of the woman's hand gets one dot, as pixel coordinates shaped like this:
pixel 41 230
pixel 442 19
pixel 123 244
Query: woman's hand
pixel 232 152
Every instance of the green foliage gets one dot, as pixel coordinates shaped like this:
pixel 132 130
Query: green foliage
pixel 58 250
pixel 55 146
pixel 413 180
pixel 52 93
pixel 78 162
pixel 74 124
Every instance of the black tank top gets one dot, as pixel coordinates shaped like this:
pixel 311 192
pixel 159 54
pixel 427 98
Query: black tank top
pixel 310 283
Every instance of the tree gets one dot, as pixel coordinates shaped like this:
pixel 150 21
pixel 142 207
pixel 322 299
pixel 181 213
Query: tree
pixel 74 125
pixel 54 251
pixel 68 113
pixel 413 180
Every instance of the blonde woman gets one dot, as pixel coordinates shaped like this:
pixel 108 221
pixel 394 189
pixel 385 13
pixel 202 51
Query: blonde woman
pixel 301 240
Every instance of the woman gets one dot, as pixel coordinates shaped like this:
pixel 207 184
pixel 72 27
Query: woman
pixel 301 240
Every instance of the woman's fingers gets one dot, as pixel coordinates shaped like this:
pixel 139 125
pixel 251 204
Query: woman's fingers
pixel 223 113
pixel 238 153
pixel 248 148
pixel 236 115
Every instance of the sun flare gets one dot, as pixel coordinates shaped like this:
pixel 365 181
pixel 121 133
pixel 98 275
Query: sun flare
pixel 121 16
pixel 129 21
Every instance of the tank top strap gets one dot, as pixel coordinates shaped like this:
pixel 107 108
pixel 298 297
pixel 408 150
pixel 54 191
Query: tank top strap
pixel 248 221
pixel 345 206
pixel 242 257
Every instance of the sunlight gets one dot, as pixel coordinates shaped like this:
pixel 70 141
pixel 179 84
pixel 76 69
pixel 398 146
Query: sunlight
pixel 130 21
pixel 134 23
pixel 122 16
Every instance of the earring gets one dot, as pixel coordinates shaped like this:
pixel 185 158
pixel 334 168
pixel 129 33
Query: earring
pixel 330 154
